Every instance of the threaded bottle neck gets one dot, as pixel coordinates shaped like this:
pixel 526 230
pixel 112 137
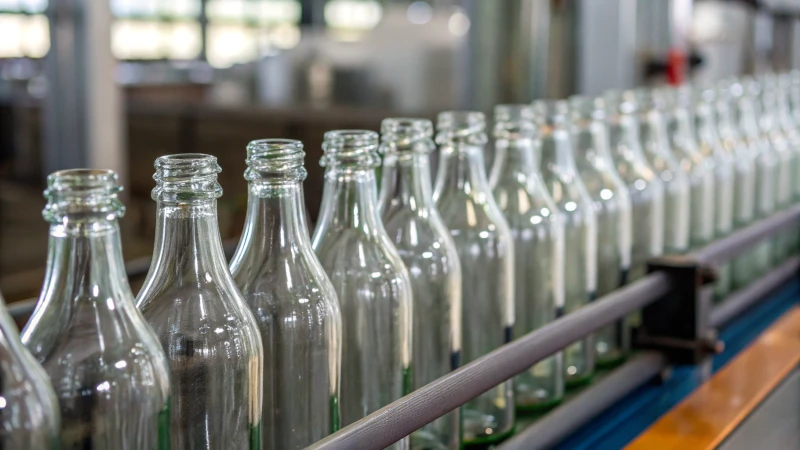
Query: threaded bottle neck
pixel 621 103
pixel 583 110
pixel 514 121
pixel 82 194
pixel 350 150
pixel 551 113
pixel 187 178
pixel 401 135
pixel 463 127
pixel 279 160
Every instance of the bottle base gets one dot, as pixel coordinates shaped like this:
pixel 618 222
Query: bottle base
pixel 535 409
pixel 610 361
pixel 487 442
pixel 579 381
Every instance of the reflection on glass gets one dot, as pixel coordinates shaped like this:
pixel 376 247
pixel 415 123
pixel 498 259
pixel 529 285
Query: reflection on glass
pixel 292 300
pixel 369 277
pixel 612 204
pixel 485 248
pixel 108 372
pixel 530 211
pixel 201 319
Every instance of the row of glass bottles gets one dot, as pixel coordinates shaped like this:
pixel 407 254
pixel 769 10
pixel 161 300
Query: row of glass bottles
pixel 302 335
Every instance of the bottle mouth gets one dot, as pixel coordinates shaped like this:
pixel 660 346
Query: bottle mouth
pixel 351 148
pixel 514 121
pixel 584 108
pixel 186 178
pixel 81 193
pixel 401 133
pixel 551 112
pixel 621 102
pixel 465 126
pixel 275 158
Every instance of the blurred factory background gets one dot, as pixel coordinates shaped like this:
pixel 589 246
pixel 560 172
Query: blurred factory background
pixel 116 83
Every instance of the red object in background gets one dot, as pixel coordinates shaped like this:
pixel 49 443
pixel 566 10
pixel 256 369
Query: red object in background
pixel 676 66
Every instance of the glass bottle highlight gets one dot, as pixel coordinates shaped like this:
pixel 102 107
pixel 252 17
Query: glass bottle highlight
pixel 417 231
pixel 201 319
pixel 368 275
pixel 576 209
pixel 612 205
pixel 485 248
pixel 107 369
pixel 291 298
pixel 532 215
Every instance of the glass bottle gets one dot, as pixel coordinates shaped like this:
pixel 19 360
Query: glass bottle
pixel 644 186
pixel 683 142
pixel 575 207
pixel 30 418
pixel 612 205
pixel 485 248
pixel 415 227
pixel 108 372
pixel 201 319
pixel 655 143
pixel 792 134
pixel 743 156
pixel 371 282
pixel 291 298
pixel 770 122
pixel 766 169
pixel 530 211
pixel 712 150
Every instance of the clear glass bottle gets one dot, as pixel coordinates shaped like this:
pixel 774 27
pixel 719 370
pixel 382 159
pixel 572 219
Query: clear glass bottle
pixel 657 150
pixel 106 367
pixel 644 186
pixel 415 227
pixel 532 215
pixel 766 162
pixel 612 205
pixel 370 279
pixel 30 418
pixel 743 156
pixel 724 173
pixel 201 319
pixel 792 134
pixel 291 298
pixel 485 248
pixel 576 209
pixel 771 125
pixel 683 142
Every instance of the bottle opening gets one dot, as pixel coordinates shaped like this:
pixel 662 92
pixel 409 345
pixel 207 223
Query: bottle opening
pixel 401 132
pixel 584 109
pixel 82 192
pixel 468 126
pixel 550 112
pixel 514 121
pixel 186 177
pixel 275 158
pixel 353 148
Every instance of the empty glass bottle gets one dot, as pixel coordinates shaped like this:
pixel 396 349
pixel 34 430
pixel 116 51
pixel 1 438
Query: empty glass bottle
pixel 415 227
pixel 655 143
pixel 201 319
pixel 485 248
pixel 107 369
pixel 532 215
pixel 680 129
pixel 369 277
pixel 644 186
pixel 770 122
pixel 576 209
pixel 30 418
pixel 612 205
pixel 792 134
pixel 743 156
pixel 712 150
pixel 291 298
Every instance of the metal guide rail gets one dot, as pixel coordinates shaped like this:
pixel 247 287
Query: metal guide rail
pixel 678 324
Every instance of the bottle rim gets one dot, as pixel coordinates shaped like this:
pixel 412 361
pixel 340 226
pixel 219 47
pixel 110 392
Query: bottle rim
pixel 185 178
pixel 82 192
pixel 401 133
pixel 277 158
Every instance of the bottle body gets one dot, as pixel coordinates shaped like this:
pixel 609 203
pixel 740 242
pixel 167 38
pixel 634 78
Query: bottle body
pixel 106 367
pixel 30 418
pixel 370 281
pixel 485 249
pixel 291 299
pixel 200 318
pixel 538 234
pixel 613 210
pixel 424 244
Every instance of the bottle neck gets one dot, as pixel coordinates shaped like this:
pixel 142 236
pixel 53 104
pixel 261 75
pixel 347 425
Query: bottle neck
pixel 84 263
pixel 625 135
pixel 188 246
pixel 349 201
pixel 461 170
pixel 514 159
pixel 725 123
pixel 747 118
pixel 406 182
pixel 276 219
pixel 556 151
